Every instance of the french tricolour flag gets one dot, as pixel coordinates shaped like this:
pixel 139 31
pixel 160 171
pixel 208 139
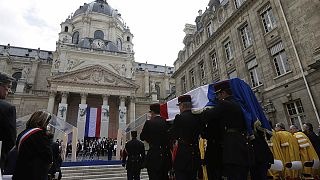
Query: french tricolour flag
pixel 93 122
pixel 205 96
pixel 199 98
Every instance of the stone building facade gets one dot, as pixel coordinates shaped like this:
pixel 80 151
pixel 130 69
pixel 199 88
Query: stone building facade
pixel 93 66
pixel 273 45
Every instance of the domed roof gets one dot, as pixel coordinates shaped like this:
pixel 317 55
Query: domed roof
pixel 99 6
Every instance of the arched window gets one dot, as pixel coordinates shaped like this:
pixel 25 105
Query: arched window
pixel 98 35
pixel 128 38
pixel 17 76
pixel 75 37
pixel 119 44
pixel 66 29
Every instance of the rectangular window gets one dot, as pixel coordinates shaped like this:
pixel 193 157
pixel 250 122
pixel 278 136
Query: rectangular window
pixel 296 112
pixel 232 74
pixel 238 3
pixel 255 74
pixel 214 61
pixel 228 50
pixel 268 19
pixel 209 30
pixel 202 70
pixel 192 78
pixel 183 84
pixel 245 36
pixel 280 59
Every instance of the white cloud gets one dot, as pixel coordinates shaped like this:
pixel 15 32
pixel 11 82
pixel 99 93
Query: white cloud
pixel 157 26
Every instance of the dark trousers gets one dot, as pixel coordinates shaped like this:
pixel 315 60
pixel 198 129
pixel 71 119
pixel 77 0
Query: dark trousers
pixel 235 172
pixel 213 172
pixel 158 175
pixel 180 175
pixel 259 172
pixel 133 175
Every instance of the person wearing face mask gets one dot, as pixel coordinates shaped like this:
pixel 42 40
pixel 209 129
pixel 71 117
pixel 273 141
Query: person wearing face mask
pixel 34 149
pixel 7 118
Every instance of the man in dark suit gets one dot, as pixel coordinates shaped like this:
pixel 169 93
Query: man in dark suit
pixel 227 146
pixel 8 130
pixel 134 150
pixel 155 132
pixel 56 158
pixel 186 130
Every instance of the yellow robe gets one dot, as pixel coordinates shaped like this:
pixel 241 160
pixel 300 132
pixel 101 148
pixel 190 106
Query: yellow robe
pixel 274 145
pixel 307 152
pixel 290 150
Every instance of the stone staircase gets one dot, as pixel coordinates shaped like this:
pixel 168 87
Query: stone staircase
pixel 99 172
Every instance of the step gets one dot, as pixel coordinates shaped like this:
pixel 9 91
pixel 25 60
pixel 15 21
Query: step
pixel 98 172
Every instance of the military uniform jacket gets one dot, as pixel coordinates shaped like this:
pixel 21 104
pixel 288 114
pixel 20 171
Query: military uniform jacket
pixel 226 134
pixel 8 130
pixel 155 132
pixel 135 151
pixel 186 129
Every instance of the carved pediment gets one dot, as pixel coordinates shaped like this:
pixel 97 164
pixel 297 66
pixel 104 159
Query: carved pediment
pixel 94 75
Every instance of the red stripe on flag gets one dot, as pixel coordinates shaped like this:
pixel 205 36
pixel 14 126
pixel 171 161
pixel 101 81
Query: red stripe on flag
pixel 98 124
pixel 164 111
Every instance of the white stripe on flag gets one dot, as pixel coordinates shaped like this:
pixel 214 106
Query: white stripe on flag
pixel 92 122
pixel 199 100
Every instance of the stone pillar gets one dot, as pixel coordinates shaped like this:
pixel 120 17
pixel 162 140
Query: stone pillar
pixel 122 113
pixel 167 84
pixel 132 109
pixel 105 116
pixel 74 144
pixel 52 96
pixel 122 125
pixel 21 84
pixel 146 83
pixel 34 71
pixel 82 112
pixel 63 106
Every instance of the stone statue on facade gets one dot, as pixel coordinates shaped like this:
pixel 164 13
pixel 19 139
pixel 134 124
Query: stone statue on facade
pixel 25 72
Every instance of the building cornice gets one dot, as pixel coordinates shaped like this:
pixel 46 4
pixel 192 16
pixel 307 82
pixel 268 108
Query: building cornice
pixel 216 34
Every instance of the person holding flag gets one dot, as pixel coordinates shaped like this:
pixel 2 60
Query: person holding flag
pixel 186 130
pixel 227 154
pixel 155 133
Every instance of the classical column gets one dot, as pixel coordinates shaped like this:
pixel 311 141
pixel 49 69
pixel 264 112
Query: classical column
pixel 146 83
pixel 63 106
pixel 122 124
pixel 132 109
pixel 122 113
pixel 82 115
pixel 105 116
pixel 52 96
pixel 167 84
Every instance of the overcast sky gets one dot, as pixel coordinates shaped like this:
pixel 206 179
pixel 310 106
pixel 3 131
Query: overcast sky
pixel 157 26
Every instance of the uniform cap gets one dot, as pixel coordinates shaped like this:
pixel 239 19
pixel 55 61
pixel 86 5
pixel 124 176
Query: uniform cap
pixel 184 98
pixel 155 108
pixel 221 86
pixel 5 78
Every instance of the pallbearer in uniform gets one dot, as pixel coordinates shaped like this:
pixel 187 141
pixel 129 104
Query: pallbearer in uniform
pixel 186 129
pixel 227 146
pixel 134 150
pixel 155 132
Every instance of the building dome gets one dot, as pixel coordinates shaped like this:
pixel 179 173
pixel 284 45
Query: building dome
pixel 98 6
